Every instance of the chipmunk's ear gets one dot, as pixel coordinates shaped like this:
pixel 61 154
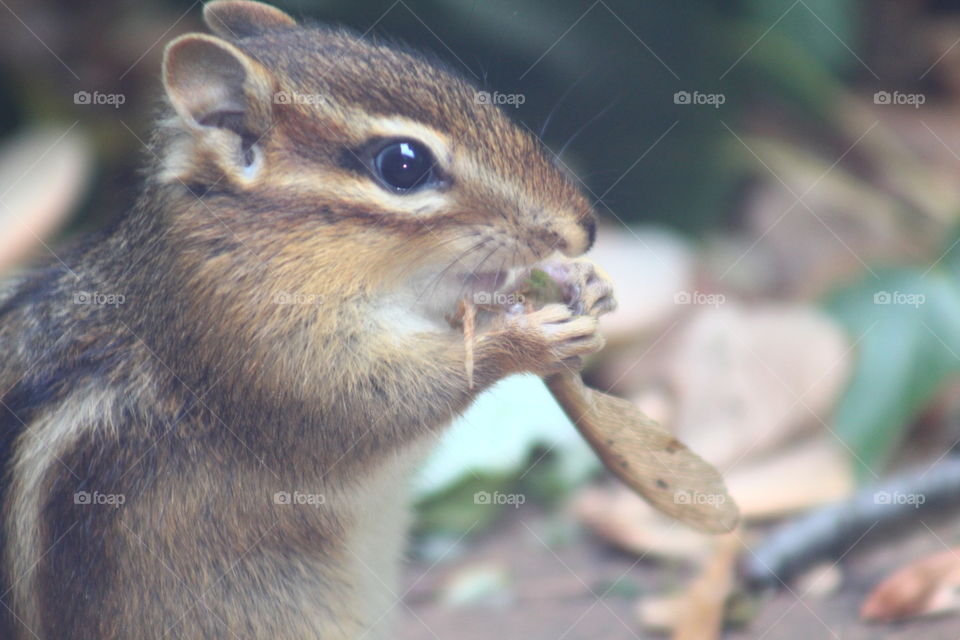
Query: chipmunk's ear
pixel 211 83
pixel 235 19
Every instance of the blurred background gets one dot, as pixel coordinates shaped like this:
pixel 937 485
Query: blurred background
pixel 779 182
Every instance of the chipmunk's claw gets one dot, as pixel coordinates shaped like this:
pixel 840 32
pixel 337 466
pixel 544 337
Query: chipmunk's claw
pixel 585 289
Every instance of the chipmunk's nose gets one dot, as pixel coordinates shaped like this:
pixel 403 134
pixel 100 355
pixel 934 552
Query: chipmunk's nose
pixel 573 239
pixel 590 224
pixel 579 237
pixel 571 236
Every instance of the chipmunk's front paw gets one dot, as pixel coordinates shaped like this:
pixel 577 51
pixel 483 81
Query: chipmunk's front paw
pixel 547 341
pixel 584 288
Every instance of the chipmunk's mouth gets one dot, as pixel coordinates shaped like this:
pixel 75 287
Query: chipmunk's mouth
pixel 492 288
pixel 485 281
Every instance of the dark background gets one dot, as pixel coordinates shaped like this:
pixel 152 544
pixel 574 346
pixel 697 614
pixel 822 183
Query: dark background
pixel 617 65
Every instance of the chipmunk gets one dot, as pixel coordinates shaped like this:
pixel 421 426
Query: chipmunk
pixel 210 410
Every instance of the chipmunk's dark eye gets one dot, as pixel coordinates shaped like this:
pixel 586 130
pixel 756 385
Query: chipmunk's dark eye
pixel 404 165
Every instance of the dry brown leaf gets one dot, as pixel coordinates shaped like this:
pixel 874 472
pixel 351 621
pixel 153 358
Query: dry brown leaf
pixel 781 483
pixel 619 516
pixel 698 612
pixel 749 379
pixel 768 488
pixel 704 600
pixel 647 457
pixel 926 586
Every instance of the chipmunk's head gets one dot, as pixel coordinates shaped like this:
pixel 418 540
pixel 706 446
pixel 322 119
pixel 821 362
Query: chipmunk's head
pixel 321 152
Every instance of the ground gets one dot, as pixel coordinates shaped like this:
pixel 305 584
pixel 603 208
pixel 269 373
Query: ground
pixel 556 576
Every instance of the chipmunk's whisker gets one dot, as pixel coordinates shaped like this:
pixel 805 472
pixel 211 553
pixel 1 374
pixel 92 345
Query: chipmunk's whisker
pixel 475 270
pixel 416 254
pixel 453 262
pixel 566 92
pixel 576 134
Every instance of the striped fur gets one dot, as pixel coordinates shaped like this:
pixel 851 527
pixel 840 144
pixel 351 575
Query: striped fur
pixel 266 321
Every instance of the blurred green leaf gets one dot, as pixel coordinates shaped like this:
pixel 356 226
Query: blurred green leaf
pixel 457 510
pixel 906 326
pixel 515 440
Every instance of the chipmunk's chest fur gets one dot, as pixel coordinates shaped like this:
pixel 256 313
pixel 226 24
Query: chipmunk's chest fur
pixel 281 503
